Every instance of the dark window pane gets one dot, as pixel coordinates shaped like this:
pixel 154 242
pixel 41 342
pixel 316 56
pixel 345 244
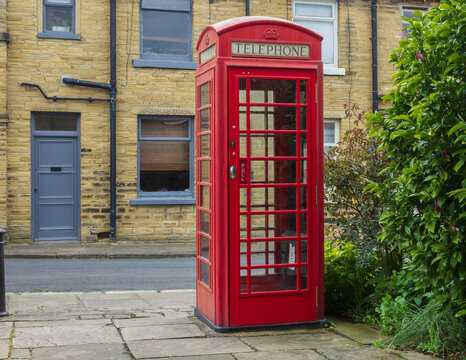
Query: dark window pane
pixel 204 197
pixel 59 18
pixel 273 171
pixel 205 247
pixel 273 91
pixel 205 170
pixel 275 279
pixel 303 91
pixel 273 118
pixel 165 32
pixel 164 180
pixel 56 122
pixel 161 128
pixel 204 91
pixel 205 120
pixel 205 270
pixel 204 142
pixel 263 145
pixel 205 222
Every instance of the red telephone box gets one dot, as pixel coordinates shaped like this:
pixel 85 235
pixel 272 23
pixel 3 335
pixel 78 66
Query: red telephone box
pixel 259 178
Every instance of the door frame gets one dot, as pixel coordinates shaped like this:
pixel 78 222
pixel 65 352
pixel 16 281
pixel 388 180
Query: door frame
pixel 281 299
pixel 36 134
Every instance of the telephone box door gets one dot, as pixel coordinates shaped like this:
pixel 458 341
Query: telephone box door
pixel 272 196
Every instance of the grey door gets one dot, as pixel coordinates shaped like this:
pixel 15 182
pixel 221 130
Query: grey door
pixel 55 188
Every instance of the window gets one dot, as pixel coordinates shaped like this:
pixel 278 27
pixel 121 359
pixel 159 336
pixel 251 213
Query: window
pixel 165 34
pixel 407 11
pixel 165 153
pixel 321 17
pixel 331 134
pixel 59 19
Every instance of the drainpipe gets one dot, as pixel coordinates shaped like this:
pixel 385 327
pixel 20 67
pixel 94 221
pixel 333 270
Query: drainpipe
pixel 247 8
pixel 375 86
pixel 113 95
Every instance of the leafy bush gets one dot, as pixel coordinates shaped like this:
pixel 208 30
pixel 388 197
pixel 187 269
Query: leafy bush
pixel 347 280
pixel 424 137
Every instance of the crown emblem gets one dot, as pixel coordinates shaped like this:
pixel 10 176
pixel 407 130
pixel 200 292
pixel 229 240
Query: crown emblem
pixel 271 34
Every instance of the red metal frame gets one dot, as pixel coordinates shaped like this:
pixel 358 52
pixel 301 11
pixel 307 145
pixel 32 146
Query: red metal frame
pixel 222 303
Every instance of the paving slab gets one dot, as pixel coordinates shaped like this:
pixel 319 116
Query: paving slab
pixel 356 351
pixel 70 322
pixel 5 330
pixel 415 355
pixel 280 355
pixel 116 305
pixel 295 342
pixel 151 321
pixel 143 349
pixel 161 332
pixel 171 299
pixel 107 296
pixel 20 354
pixel 4 348
pixel 201 357
pixel 65 335
pixel 362 333
pixel 80 352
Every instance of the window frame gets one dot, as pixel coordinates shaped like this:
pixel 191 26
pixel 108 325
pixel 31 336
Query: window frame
pixel 71 35
pixel 337 133
pixel 166 60
pixel 329 68
pixel 166 197
pixel 404 23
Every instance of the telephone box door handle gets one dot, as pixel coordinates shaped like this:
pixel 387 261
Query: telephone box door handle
pixel 233 172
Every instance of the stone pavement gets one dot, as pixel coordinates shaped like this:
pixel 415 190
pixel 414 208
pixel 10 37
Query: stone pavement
pixel 101 250
pixel 124 325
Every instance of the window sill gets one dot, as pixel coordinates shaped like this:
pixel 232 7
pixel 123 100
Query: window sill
pixel 53 35
pixel 334 71
pixel 174 200
pixel 165 64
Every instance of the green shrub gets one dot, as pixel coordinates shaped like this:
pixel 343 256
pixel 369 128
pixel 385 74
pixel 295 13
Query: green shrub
pixel 347 280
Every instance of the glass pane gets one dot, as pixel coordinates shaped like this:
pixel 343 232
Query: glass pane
pixel 204 142
pixel 243 254
pixel 273 171
pixel 164 155
pixel 205 247
pixel 326 29
pixel 205 222
pixel 205 170
pixel 242 90
pixel 314 10
pixel 273 252
pixel 166 33
pixel 205 120
pixel 275 279
pixel 204 197
pixel 59 18
pixel 273 91
pixel 304 172
pixel 243 280
pixel 303 91
pixel 304 277
pixel 242 118
pixel 64 2
pixel 304 217
pixel 329 133
pixel 242 145
pixel 303 251
pixel 273 118
pixel 204 91
pixel 273 225
pixel 243 198
pixel 265 199
pixel 303 152
pixel 205 272
pixel 56 122
pixel 303 118
pixel 303 198
pixel 263 145
pixel 163 128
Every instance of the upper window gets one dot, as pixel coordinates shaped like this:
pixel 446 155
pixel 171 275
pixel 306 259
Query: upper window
pixel 166 33
pixel 331 134
pixel 166 152
pixel 59 19
pixel 320 16
pixel 407 11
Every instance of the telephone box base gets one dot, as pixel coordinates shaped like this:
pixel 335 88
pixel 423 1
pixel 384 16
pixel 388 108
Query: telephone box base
pixel 317 324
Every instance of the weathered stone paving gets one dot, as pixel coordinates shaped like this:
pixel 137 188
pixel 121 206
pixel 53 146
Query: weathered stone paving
pixel 160 325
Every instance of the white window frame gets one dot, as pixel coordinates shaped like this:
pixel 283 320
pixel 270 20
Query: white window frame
pixel 329 69
pixel 337 132
pixel 404 7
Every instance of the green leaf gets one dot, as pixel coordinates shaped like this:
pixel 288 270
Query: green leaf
pixel 453 57
pixel 456 128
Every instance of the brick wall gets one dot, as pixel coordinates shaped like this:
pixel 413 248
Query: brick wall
pixel 141 91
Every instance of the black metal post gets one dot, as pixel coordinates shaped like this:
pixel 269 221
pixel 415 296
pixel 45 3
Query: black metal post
pixel 3 311
pixel 375 81
pixel 113 95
